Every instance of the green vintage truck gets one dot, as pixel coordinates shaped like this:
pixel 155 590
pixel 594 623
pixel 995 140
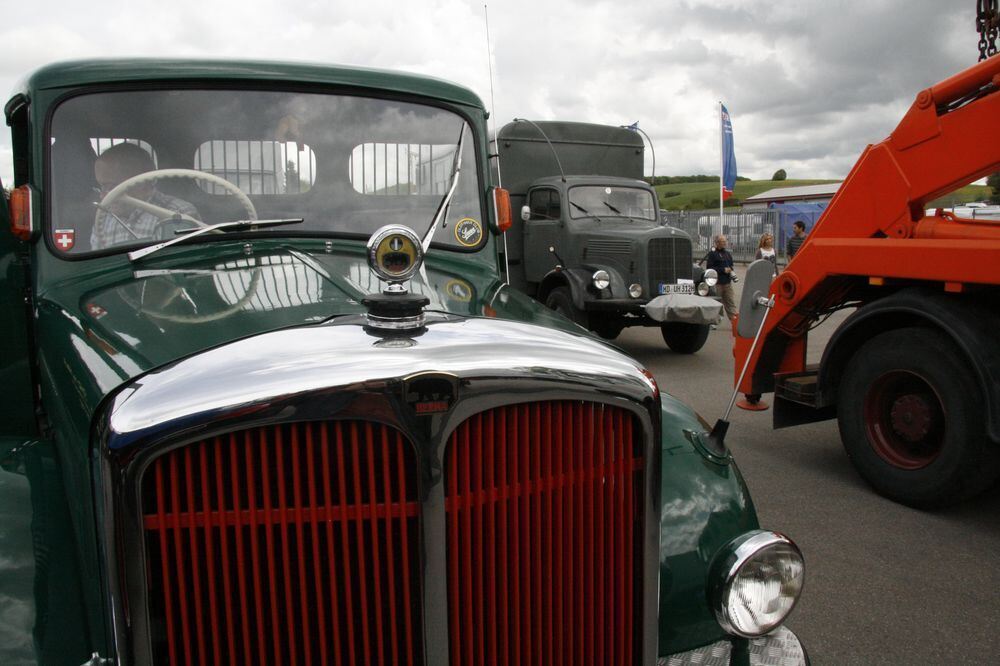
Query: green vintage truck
pixel 269 399
pixel 587 239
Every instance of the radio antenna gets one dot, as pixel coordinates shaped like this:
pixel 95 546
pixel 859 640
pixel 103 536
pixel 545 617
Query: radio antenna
pixel 493 103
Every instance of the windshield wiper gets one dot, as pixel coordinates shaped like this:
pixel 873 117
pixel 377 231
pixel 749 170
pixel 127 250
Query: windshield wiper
pixel 442 210
pixel 579 207
pixel 611 207
pixel 234 225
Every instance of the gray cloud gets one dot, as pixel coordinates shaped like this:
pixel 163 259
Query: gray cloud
pixel 808 83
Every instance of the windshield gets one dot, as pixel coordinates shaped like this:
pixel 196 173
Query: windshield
pixel 130 169
pixel 611 201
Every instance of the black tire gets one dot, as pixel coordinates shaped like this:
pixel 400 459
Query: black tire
pixel 912 420
pixel 684 338
pixel 607 326
pixel 561 301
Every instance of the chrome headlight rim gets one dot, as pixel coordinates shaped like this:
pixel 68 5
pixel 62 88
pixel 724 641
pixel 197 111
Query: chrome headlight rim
pixel 600 279
pixel 635 290
pixel 711 277
pixel 703 289
pixel 732 560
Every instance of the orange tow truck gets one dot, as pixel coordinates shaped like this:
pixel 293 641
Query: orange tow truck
pixel 913 374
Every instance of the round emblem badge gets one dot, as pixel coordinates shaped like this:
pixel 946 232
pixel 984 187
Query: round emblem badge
pixel 468 232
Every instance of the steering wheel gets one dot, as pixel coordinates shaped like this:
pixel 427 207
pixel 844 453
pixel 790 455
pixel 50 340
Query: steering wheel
pixel 165 214
pixel 169 298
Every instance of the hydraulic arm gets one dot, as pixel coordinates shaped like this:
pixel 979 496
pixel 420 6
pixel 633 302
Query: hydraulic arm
pixel 876 230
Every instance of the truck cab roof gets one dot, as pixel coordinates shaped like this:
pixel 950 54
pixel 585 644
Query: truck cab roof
pixel 146 70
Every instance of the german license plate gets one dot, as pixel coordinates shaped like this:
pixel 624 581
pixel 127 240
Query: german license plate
pixel 680 288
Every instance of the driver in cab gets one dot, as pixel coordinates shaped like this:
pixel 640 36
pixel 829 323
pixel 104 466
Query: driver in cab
pixel 138 213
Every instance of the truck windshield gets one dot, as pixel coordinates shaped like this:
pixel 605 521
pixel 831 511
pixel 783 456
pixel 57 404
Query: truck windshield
pixel 133 168
pixel 611 201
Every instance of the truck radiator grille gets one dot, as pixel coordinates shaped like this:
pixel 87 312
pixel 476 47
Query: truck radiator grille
pixel 294 543
pixel 670 259
pixel 544 505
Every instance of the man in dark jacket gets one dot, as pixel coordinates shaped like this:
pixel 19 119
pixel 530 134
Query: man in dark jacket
pixel 795 241
pixel 722 262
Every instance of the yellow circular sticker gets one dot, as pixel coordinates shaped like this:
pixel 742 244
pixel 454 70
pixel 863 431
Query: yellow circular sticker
pixel 468 232
pixel 458 290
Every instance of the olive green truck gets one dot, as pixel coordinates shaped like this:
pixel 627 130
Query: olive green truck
pixel 587 239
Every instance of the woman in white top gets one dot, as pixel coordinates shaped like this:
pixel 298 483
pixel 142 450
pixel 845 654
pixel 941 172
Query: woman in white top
pixel 765 250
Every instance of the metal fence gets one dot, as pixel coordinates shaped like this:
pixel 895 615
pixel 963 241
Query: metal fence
pixel 742 229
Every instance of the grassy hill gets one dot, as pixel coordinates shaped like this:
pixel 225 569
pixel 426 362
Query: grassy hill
pixel 697 196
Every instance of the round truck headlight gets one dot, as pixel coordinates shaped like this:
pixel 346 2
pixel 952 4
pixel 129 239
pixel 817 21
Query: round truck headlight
pixel 703 289
pixel 756 581
pixel 635 290
pixel 711 277
pixel 601 280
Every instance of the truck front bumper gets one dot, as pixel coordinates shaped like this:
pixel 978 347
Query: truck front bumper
pixel 684 308
pixel 779 648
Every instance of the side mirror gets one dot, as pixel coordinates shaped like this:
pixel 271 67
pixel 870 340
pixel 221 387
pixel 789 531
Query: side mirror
pixel 756 285
pixel 525 213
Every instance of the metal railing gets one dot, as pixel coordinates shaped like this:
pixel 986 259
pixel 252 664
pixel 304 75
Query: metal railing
pixel 742 229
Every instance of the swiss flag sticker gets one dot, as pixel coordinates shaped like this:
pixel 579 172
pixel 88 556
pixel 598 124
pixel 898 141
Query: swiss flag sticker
pixel 65 238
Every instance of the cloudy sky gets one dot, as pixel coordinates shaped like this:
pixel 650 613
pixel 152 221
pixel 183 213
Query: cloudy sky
pixel 808 82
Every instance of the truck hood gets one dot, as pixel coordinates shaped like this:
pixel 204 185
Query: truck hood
pixel 109 326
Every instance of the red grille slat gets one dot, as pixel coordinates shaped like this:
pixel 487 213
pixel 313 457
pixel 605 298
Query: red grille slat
pixel 165 563
pixel 390 554
pixel 247 563
pixel 376 566
pixel 345 544
pixel 403 495
pixel 543 506
pixel 331 558
pixel 317 564
pixel 220 501
pixel 175 503
pixel 210 555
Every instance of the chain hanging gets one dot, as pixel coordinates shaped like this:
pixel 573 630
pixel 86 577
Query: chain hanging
pixel 988 25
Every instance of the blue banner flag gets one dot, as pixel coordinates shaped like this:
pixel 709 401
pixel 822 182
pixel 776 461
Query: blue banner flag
pixel 728 156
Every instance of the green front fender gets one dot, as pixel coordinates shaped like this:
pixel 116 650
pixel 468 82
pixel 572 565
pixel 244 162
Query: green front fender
pixel 43 618
pixel 704 505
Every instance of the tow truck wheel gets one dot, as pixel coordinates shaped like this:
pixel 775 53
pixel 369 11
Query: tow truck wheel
pixel 912 420
pixel 561 301
pixel 684 338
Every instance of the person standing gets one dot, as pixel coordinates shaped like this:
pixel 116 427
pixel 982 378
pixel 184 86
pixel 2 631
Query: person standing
pixel 765 250
pixel 798 238
pixel 722 261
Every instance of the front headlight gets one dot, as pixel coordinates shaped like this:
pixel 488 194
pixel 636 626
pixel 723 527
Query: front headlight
pixel 635 290
pixel 703 289
pixel 711 277
pixel 601 279
pixel 756 581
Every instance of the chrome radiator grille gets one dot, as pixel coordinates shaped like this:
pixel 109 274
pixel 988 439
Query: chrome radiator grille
pixel 544 508
pixel 296 543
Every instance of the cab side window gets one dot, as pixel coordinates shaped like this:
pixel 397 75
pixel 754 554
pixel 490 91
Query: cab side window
pixel 544 203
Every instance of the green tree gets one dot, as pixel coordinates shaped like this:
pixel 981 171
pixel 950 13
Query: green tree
pixel 779 175
pixel 993 180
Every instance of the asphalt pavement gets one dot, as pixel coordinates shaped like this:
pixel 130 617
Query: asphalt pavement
pixel 885 584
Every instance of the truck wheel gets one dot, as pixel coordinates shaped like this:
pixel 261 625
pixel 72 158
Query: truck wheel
pixel 561 301
pixel 912 420
pixel 606 327
pixel 684 338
